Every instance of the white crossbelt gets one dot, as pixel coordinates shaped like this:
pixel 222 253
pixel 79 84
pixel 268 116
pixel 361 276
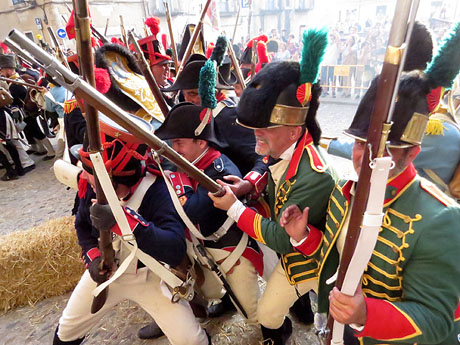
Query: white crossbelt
pixel 127 238
pixel 372 222
pixel 236 253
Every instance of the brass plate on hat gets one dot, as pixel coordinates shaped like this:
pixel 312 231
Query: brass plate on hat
pixel 415 129
pixel 286 115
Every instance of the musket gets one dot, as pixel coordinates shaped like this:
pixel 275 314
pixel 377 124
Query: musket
pixel 379 129
pixel 123 32
pixel 94 136
pixel 171 35
pixel 236 24
pixel 253 58
pixel 58 47
pixel 106 26
pixel 83 90
pixel 32 86
pixel 211 263
pixel 193 39
pixel 147 73
pixel 236 65
pixel 98 35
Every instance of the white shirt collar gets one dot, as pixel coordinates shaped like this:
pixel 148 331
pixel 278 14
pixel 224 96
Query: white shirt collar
pixel 287 155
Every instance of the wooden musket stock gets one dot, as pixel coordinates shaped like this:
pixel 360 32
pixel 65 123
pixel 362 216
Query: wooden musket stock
pixel 387 86
pixel 94 136
pixel 171 35
pixel 193 39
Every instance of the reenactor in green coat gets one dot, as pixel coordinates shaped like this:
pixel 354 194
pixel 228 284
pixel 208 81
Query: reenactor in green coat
pixel 409 292
pixel 281 107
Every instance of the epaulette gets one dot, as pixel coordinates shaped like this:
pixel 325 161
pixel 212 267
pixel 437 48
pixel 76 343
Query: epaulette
pixel 434 127
pixel 316 162
pixel 434 191
pixel 70 105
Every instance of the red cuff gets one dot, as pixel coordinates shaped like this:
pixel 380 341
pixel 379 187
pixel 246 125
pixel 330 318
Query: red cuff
pixel 133 220
pixel 88 256
pixel 385 321
pixel 312 243
pixel 250 222
pixel 258 181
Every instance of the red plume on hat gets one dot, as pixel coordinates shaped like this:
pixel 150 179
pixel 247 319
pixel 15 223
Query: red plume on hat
pixel 102 78
pixel 4 47
pixel 164 40
pixel 209 50
pixel 116 40
pixel 262 54
pixel 261 38
pixel 154 24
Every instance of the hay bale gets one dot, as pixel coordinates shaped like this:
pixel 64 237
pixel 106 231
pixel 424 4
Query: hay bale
pixel 38 263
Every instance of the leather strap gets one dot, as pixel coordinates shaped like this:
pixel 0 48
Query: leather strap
pixel 128 238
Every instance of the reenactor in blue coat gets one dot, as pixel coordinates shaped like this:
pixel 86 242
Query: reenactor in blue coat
pixel 155 226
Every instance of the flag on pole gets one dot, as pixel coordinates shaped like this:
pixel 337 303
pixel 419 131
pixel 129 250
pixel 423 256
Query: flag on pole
pixel 212 17
pixel 70 26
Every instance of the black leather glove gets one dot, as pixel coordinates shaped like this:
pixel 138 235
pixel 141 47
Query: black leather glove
pixel 102 217
pixel 99 276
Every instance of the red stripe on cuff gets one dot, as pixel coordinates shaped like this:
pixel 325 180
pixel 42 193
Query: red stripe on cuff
pixel 246 222
pixel 93 253
pixel 386 322
pixel 312 243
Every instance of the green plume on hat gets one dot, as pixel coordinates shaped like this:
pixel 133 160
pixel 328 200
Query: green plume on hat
pixel 219 50
pixel 314 46
pixel 446 64
pixel 207 85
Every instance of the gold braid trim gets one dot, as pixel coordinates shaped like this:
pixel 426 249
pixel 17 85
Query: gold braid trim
pixel 281 196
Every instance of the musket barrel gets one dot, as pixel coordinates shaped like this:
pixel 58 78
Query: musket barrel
pixel 400 18
pixel 83 90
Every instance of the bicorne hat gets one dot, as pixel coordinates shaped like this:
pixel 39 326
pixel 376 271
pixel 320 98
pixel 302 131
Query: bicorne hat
pixel 7 61
pixel 183 119
pixel 129 89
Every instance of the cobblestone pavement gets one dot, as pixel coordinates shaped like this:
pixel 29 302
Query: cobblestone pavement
pixel 38 196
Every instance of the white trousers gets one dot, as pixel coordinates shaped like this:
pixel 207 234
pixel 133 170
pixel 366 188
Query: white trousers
pixel 279 296
pixel 175 319
pixel 242 280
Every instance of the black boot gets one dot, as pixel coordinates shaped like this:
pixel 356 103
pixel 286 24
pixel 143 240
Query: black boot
pixel 302 310
pixel 15 157
pixel 57 341
pixel 10 172
pixel 226 305
pixel 151 331
pixel 277 336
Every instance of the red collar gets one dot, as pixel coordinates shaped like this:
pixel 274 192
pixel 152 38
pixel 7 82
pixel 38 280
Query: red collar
pixel 221 97
pixel 294 164
pixel 208 158
pixel 397 185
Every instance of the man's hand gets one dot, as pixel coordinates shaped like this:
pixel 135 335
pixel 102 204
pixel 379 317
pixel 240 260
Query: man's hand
pixel 226 201
pixel 97 274
pixel 348 309
pixel 239 186
pixel 295 222
pixel 102 217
